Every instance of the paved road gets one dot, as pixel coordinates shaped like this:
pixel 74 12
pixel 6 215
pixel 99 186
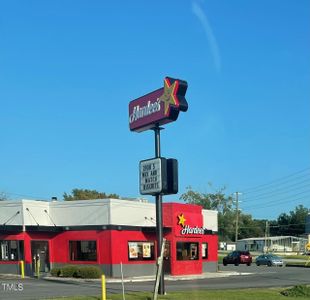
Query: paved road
pixel 33 289
pixel 259 277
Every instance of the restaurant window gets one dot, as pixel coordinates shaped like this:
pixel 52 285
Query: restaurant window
pixel 83 250
pixel 187 251
pixel 141 250
pixel 204 250
pixel 11 250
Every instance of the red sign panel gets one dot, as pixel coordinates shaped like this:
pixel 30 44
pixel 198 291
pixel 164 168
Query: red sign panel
pixel 158 107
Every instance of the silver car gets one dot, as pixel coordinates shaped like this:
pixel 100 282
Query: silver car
pixel 269 260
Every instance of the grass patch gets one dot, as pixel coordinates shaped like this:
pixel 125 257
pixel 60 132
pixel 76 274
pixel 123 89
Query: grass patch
pixel 304 257
pixel 298 263
pixel 244 294
pixel 220 258
pixel 297 291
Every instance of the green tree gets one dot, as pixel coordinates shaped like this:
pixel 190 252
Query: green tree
pixel 215 201
pixel 226 226
pixel 249 227
pixel 226 214
pixel 298 219
pixel 85 194
pixel 290 224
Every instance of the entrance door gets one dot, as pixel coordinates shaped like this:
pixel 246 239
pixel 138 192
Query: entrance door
pixel 39 250
pixel 167 258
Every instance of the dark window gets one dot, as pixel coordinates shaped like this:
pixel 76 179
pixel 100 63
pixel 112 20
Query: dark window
pixel 83 250
pixel 11 250
pixel 187 251
pixel 167 250
pixel 141 250
pixel 204 250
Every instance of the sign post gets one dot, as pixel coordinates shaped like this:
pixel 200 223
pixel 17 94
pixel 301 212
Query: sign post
pixel 159 270
pixel 158 176
pixel 159 215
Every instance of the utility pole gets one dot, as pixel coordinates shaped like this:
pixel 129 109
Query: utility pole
pixel 237 217
pixel 266 236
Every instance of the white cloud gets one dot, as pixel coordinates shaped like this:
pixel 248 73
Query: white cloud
pixel 202 17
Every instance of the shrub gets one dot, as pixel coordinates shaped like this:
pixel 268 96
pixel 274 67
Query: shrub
pixel 77 272
pixel 297 291
pixel 55 272
pixel 69 271
pixel 89 272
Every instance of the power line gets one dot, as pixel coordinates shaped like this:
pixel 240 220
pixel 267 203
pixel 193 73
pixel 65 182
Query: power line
pixel 277 199
pixel 286 189
pixel 271 226
pixel 259 187
pixel 279 191
pixel 274 198
pixel 275 202
pixel 258 206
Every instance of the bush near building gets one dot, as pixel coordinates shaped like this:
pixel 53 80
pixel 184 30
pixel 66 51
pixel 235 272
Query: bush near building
pixel 77 272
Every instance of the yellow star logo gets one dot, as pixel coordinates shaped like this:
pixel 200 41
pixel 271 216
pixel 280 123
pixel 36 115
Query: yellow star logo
pixel 169 96
pixel 181 220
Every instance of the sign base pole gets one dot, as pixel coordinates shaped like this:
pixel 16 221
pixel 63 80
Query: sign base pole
pixel 159 213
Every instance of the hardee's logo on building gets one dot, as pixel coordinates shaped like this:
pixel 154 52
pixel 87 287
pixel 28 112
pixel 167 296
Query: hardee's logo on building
pixel 181 220
pixel 158 107
pixel 186 229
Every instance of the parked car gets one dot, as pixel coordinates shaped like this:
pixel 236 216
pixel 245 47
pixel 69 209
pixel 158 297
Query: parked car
pixel 238 257
pixel 269 260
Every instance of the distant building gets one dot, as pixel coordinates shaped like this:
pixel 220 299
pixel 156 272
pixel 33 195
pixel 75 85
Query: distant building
pixel 273 244
pixel 227 246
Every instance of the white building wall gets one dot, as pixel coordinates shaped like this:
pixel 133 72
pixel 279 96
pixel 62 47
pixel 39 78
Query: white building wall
pixel 230 247
pixel 210 219
pixel 103 212
pixel 34 212
pixel 87 212
pixel 9 209
pixel 80 212
pixel 132 213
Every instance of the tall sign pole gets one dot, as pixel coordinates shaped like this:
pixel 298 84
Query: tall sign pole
pixel 158 176
pixel 159 213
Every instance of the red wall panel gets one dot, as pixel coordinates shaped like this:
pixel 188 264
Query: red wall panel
pixel 119 246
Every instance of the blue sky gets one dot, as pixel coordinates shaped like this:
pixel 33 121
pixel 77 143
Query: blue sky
pixel 68 70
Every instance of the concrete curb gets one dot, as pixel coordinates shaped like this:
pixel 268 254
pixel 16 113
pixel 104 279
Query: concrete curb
pixel 220 274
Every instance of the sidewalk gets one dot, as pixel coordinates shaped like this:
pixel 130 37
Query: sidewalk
pixel 219 274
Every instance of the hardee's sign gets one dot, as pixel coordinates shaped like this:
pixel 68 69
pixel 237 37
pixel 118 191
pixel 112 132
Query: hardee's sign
pixel 186 229
pixel 158 107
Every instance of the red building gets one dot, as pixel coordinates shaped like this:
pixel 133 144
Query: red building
pixel 106 233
